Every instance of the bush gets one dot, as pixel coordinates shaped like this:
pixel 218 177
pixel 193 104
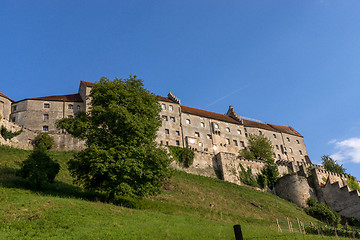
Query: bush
pixel 246 177
pixel 271 172
pixel 43 141
pixel 39 168
pixel 184 156
pixel 7 135
pixel 261 180
pixel 353 184
pixel 322 212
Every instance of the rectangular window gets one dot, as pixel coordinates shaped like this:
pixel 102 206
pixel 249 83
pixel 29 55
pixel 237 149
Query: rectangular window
pixel 46 116
pixel 260 132
pixel 235 143
pixel 300 152
pixel 163 106
pixel 78 107
pixel 227 141
pixel 208 136
pixel 239 131
pixel 227 129
pixel 200 144
pixel 242 144
pixel 166 131
pixel 297 141
pixel 288 139
pixel 14 108
pixel 164 118
pixel 171 107
pixel 70 106
pixel 202 124
pixel 188 121
pixel 46 105
pixel 197 134
pixel 274 135
pixel 45 128
pixel 177 143
pixel 177 133
pixel 172 119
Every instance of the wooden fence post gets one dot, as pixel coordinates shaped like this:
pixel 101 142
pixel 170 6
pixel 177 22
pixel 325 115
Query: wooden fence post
pixel 238 233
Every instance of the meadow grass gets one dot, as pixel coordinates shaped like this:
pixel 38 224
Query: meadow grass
pixel 190 207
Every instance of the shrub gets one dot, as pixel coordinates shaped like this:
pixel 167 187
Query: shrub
pixel 353 184
pixel 261 180
pixel 39 168
pixel 7 135
pixel 246 177
pixel 44 141
pixel 322 212
pixel 184 156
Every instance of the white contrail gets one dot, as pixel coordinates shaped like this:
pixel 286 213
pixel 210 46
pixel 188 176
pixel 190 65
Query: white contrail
pixel 227 95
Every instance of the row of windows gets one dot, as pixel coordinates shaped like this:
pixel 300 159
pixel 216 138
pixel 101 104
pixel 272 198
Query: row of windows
pixel 70 106
pixel 290 149
pixel 46 116
pixel 177 142
pixel 163 107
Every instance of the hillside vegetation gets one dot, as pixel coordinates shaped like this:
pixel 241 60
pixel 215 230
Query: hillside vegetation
pixel 190 207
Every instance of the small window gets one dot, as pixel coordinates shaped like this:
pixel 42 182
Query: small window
pixel 293 158
pixel 277 147
pixel 167 143
pixel 291 150
pixel 14 108
pixel 274 155
pixel 164 118
pixel 200 144
pixel 46 116
pixel 166 131
pixel 46 105
pixel 70 106
pixel 202 124
pixel 274 135
pixel 239 131
pixel 78 107
pixel 45 128
pixel 171 107
pixel 297 141
pixel 188 121
pixel 216 125
pixel 13 119
pixel 172 119
pixel 279 157
pixel 227 141
pixel 260 132
pixel 235 143
pixel 242 144
pixel 208 136
pixel 300 152
pixel 163 106
pixel 177 143
pixel 246 134
pixel 197 134
pixel 245 129
pixel 288 139
pixel 227 129
pixel 177 133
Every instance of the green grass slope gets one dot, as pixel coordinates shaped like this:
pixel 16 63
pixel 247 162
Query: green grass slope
pixel 190 207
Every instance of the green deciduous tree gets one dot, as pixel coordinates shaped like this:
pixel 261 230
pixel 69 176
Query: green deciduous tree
pixel 121 158
pixel 39 167
pixel 332 165
pixel 260 148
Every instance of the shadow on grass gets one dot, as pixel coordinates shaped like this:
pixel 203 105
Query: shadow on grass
pixel 9 179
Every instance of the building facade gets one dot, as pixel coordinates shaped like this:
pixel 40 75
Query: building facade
pixel 181 125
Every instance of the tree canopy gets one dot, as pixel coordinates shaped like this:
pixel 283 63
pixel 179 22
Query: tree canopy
pixel 260 148
pixel 121 158
pixel 332 165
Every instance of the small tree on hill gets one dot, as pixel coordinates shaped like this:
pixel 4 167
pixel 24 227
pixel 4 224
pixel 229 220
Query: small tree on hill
pixel 121 158
pixel 260 148
pixel 332 165
pixel 39 167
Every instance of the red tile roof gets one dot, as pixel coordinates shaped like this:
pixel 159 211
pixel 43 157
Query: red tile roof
pixel 165 99
pixel 203 113
pixel 88 84
pixel 248 123
pixel 3 95
pixel 286 129
pixel 65 98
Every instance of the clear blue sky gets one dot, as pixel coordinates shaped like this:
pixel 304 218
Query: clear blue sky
pixel 283 62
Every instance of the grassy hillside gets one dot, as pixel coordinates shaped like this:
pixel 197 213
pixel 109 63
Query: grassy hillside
pixel 190 207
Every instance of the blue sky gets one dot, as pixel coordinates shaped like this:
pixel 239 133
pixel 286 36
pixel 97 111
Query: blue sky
pixel 283 62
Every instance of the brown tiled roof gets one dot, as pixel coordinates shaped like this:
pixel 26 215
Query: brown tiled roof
pixel 165 99
pixel 203 113
pixel 248 123
pixel 88 84
pixel 65 98
pixel 3 95
pixel 286 129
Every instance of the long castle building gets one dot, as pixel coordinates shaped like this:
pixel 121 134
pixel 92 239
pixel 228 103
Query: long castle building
pixel 182 126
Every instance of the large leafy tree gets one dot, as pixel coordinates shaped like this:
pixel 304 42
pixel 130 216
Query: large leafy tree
pixel 260 148
pixel 332 165
pixel 121 158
